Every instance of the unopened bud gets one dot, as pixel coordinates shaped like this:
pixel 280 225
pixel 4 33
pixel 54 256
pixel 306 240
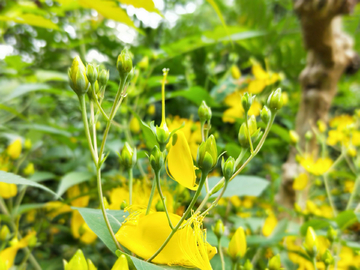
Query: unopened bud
pixel 246 101
pixel 204 112
pixel 219 228
pixel 128 156
pixel 207 154
pixel 4 233
pixel 92 72
pixel 275 263
pixel 162 136
pixel 327 258
pixel 159 206
pixel 248 265
pixel 156 159
pixel 308 135
pixel 91 266
pixel 243 136
pixel 77 262
pixel 321 126
pixel 228 167
pixel 294 137
pixel 235 72
pixel 124 63
pixel 311 242
pixel 103 77
pixel 77 77
pixel 121 263
pixel 144 63
pixel 237 245
pixel 332 234
pixel 275 101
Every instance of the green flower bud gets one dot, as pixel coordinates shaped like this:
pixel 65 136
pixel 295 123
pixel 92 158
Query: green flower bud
pixel 219 228
pixel 159 206
pixel 275 263
pixel 207 154
pixel 92 72
pixel 77 262
pixel 124 63
pixel 131 75
pixel 248 265
pixel 308 135
pixel 265 114
pixel 332 234
pixel 156 159
pixel 327 258
pixel 311 243
pixel 77 77
pixel 204 112
pixel 128 156
pixel 4 232
pixel 228 167
pixel 217 187
pixel 123 205
pixel 103 77
pixel 252 125
pixel 162 136
pixel 246 101
pixel 294 137
pixel 275 101
pixel 243 136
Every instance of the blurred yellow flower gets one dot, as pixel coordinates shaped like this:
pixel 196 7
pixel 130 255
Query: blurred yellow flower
pixel 269 225
pixel 144 234
pixel 151 109
pixel 80 230
pixel 237 245
pixel 29 169
pixel 7 191
pixel 349 186
pixel 134 125
pixel 301 181
pixel 316 167
pixel 262 79
pixel 14 149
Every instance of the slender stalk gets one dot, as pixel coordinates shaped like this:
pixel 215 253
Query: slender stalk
pixel 93 126
pixel 221 255
pixel 314 263
pixel 352 196
pixel 202 124
pixel 234 266
pixel 188 210
pixel 248 132
pixel 216 200
pixel 101 110
pixel 157 180
pixel 151 197
pixel 130 186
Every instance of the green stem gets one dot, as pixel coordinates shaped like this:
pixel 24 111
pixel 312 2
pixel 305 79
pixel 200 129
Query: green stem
pixel 130 186
pixel 248 131
pixel 221 255
pixel 101 110
pixel 93 126
pixel 188 210
pixel 151 197
pixel 234 266
pixel 352 196
pixel 314 263
pixel 157 180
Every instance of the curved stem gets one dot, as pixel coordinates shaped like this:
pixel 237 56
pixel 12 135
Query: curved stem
pixel 157 180
pixel 93 125
pixel 101 110
pixel 352 196
pixel 221 255
pixel 151 197
pixel 248 132
pixel 188 210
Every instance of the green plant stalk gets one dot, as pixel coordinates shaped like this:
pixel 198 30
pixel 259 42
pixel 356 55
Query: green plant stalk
pixel 188 211
pixel 314 263
pixel 32 259
pixel 352 196
pixel 248 131
pixel 98 169
pixel 216 200
pixel 130 171
pixel 152 192
pixel 93 126
pixel 234 266
pixel 221 255
pixel 257 149
pixel 157 180
pixel 202 124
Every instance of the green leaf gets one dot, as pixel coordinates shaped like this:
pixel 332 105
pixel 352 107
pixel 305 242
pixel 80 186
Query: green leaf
pixel 346 219
pixel 148 5
pixel 31 19
pixel 11 178
pixel 95 220
pixel 72 179
pixel 13 111
pixel 41 176
pixel 241 185
pixel 47 129
pixel 23 208
pixel 50 75
pixel 316 224
pixel 232 149
pixel 24 89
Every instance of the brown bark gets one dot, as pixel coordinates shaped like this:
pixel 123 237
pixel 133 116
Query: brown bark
pixel 330 54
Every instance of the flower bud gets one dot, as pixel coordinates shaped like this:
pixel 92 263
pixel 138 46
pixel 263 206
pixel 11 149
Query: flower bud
pixel 218 186
pixel 162 134
pixel 321 126
pixel 144 63
pixel 248 265
pixel 103 77
pixel 156 159
pixel 243 136
pixel 92 72
pixel 4 233
pixel 332 234
pixel 311 242
pixel 235 72
pixel 207 154
pixel 294 137
pixel 246 101
pixel 228 167
pixel 252 125
pixel 327 258
pixel 275 263
pixel 124 63
pixel 204 112
pixel 128 157
pixel 237 245
pixel 265 114
pixel 308 135
pixel 121 263
pixel 351 151
pixel 27 144
pixel 159 206
pixel 14 149
pixel 275 101
pixel 77 77
pixel 219 228
pixel 29 169
pixel 77 262
pixel 91 266
pixel 123 205
pixel 134 125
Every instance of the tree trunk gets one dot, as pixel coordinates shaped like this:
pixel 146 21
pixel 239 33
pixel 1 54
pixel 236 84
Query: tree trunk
pixel 330 54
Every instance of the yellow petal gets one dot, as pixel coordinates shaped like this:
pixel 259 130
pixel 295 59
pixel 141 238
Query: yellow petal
pixel 7 256
pixel 259 72
pixel 301 181
pixel 237 245
pixel 180 162
pixel 269 225
pixel 256 86
pixel 7 190
pixel 14 149
pixel 74 192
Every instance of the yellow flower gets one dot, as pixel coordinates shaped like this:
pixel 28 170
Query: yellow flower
pixel 144 234
pixel 269 225
pixel 56 208
pixel 80 230
pixel 262 79
pixel 236 110
pixel 121 263
pixel 14 149
pixel 180 162
pixel 301 181
pixel 91 266
pixel 134 125
pixel 318 167
pixel 349 186
pixel 312 208
pixel 77 262
pixel 237 245
pixel 151 109
pixel 7 256
pixel 7 191
pixel 29 169
pixel 235 72
pixel 75 192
